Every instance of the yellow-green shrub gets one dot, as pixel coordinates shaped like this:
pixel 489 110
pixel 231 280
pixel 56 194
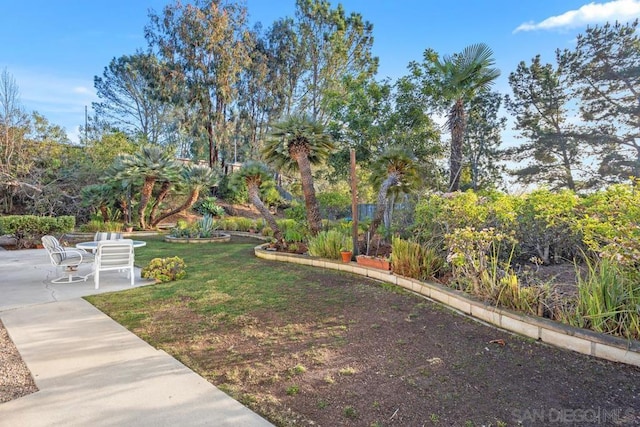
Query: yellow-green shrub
pixel 165 269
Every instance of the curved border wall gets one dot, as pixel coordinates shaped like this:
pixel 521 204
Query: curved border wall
pixel 554 333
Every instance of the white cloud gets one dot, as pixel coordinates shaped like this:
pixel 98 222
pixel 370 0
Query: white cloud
pixel 83 90
pixel 592 13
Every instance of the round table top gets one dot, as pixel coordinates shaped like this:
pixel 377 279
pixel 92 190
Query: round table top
pixel 93 245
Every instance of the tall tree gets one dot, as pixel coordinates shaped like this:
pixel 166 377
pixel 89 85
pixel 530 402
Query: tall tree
pixel 127 99
pixel 254 175
pixel 150 165
pixel 394 172
pixel 196 179
pixel 204 46
pixel 541 105
pixel 605 69
pixel 452 82
pixel 334 46
pixel 296 144
pixel 15 151
pixel 482 140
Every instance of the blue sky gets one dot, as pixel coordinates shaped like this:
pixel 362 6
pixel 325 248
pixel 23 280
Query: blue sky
pixel 54 48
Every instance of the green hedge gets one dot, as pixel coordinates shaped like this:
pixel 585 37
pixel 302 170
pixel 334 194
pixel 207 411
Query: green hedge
pixel 30 228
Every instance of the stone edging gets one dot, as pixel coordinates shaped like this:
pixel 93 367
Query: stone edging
pixel 219 238
pixel 560 335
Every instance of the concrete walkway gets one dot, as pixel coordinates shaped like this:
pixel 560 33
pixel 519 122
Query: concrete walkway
pixel 88 368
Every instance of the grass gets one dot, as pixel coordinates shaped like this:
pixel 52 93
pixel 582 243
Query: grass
pixel 272 335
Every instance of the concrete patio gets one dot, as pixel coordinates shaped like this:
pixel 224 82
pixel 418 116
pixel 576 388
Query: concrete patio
pixel 89 369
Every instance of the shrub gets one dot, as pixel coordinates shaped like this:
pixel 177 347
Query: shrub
pixel 165 269
pixel 244 224
pixel 547 225
pixel 334 203
pixel 30 228
pixel 208 206
pixel 292 230
pixel 234 195
pixel 474 258
pixel 297 212
pixel 608 300
pixel 328 244
pixel 411 259
pixel 99 225
pixel 610 224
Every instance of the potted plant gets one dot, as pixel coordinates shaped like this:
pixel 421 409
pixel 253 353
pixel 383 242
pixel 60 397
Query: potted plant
pixel 346 254
pixel 128 227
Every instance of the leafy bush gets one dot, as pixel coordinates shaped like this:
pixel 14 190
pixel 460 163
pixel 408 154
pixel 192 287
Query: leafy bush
pixel 328 244
pixel 292 230
pixel 209 206
pixel 245 224
pixel 546 225
pixel 438 215
pixel 297 212
pixel 99 225
pixel 474 258
pixel 267 231
pixel 610 224
pixel 411 259
pixel 165 269
pixel 334 203
pixel 203 228
pixel 232 194
pixel 237 223
pixel 30 228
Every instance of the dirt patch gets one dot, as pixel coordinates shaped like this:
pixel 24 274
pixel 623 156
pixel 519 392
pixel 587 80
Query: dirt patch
pixel 353 352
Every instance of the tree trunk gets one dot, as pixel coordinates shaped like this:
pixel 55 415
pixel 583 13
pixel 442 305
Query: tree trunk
pixel 105 212
pixel 164 190
pixel 254 198
pixel 145 196
pixel 382 203
pixel 193 197
pixel 456 124
pixel 311 203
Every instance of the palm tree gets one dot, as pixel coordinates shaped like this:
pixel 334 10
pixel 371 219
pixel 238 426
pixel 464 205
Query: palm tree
pixel 254 175
pixel 459 79
pixel 196 178
pixel 298 143
pixel 100 195
pixel 393 173
pixel 152 164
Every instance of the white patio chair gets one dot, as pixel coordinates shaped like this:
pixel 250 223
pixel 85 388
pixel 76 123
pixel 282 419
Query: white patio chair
pixel 107 235
pixel 69 259
pixel 114 255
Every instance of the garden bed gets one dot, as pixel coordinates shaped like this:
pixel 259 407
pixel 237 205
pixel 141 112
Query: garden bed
pixel 218 237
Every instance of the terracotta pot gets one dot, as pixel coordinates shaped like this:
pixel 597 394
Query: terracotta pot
pixel 368 261
pixel 346 256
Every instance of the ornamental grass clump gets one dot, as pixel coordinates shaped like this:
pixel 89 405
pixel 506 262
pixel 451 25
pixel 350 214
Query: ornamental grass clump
pixel 328 244
pixel 165 269
pixel 608 299
pixel 410 259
